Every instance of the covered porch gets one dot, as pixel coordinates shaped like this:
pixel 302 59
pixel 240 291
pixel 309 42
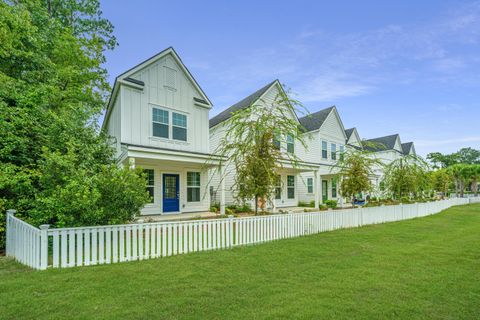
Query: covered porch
pixel 177 181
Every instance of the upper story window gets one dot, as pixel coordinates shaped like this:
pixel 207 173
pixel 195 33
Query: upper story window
pixel 160 123
pixel 324 150
pixel 310 185
pixel 179 128
pixel 276 141
pixel 290 144
pixel 333 152
pixel 342 151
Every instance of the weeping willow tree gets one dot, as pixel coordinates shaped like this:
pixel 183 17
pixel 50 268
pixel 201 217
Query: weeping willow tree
pixel 257 142
pixel 355 169
pixel 407 176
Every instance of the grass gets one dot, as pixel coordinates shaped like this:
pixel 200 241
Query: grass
pixel 425 268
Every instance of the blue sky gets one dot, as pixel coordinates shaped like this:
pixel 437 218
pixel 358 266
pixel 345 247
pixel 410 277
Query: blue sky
pixel 407 67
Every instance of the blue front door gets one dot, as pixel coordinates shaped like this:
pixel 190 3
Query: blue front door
pixel 170 193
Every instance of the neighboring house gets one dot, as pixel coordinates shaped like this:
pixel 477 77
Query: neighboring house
pixel 387 149
pixel 158 116
pixel 288 191
pixel 327 141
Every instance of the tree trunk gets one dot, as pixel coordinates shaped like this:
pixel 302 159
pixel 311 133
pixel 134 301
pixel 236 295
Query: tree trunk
pixel 256 204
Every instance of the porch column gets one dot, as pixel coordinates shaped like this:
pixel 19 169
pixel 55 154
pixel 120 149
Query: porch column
pixel 222 190
pixel 341 201
pixel 320 191
pixel 131 163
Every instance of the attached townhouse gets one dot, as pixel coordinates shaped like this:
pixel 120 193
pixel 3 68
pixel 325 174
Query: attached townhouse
pixel 158 117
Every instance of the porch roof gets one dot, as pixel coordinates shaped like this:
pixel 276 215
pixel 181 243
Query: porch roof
pixel 157 153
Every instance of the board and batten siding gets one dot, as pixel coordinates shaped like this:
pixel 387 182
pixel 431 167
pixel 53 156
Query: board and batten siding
pixel 173 92
pixel 114 128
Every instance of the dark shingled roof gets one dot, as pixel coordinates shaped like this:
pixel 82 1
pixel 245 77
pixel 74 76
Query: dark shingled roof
pixel 381 144
pixel 407 147
pixel 246 102
pixel 315 120
pixel 349 132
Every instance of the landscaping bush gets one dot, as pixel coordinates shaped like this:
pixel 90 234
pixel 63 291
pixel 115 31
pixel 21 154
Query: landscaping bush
pixel 332 204
pixel 310 204
pixel 215 207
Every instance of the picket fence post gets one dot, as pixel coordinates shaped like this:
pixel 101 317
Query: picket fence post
pixel 9 241
pixel 44 246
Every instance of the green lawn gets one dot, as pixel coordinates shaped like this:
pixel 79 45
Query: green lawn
pixel 417 269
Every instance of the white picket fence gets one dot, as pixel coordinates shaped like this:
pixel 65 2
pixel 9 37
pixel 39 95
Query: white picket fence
pixel 84 246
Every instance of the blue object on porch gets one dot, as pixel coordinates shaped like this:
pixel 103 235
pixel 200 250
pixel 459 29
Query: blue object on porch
pixel 359 202
pixel 171 201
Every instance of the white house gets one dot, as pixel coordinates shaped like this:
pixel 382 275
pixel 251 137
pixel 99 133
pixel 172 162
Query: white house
pixel 158 116
pixel 288 191
pixel 387 149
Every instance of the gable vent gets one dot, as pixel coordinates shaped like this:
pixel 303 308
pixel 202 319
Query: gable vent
pixel 170 77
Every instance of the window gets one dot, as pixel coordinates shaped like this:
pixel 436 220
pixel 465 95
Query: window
pixel 324 150
pixel 179 128
pixel 334 188
pixel 193 186
pixel 382 186
pixel 342 151
pixel 290 187
pixel 150 176
pixel 276 141
pixel 290 144
pixel 334 151
pixel 310 185
pixel 278 187
pixel 160 123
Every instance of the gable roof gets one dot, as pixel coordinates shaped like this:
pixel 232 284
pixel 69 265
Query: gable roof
pixel 242 104
pixel 382 143
pixel 315 120
pixel 349 132
pixel 125 77
pixel 407 147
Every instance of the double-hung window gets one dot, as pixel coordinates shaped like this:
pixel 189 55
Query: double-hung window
pixel 160 123
pixel 193 186
pixel 179 126
pixel 334 151
pixel 150 176
pixel 290 144
pixel 310 185
pixel 291 187
pixel 334 188
pixel 342 151
pixel 324 150
pixel 276 141
pixel 278 187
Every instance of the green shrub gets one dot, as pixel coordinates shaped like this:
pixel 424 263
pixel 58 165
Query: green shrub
pixel 332 204
pixel 322 207
pixel 215 207
pixel 244 208
pixel 306 204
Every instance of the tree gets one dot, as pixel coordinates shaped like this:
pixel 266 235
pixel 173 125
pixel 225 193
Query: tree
pixel 406 177
pixel 441 180
pixel 355 170
pixel 251 145
pixel 459 173
pixel 464 155
pixel 55 167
